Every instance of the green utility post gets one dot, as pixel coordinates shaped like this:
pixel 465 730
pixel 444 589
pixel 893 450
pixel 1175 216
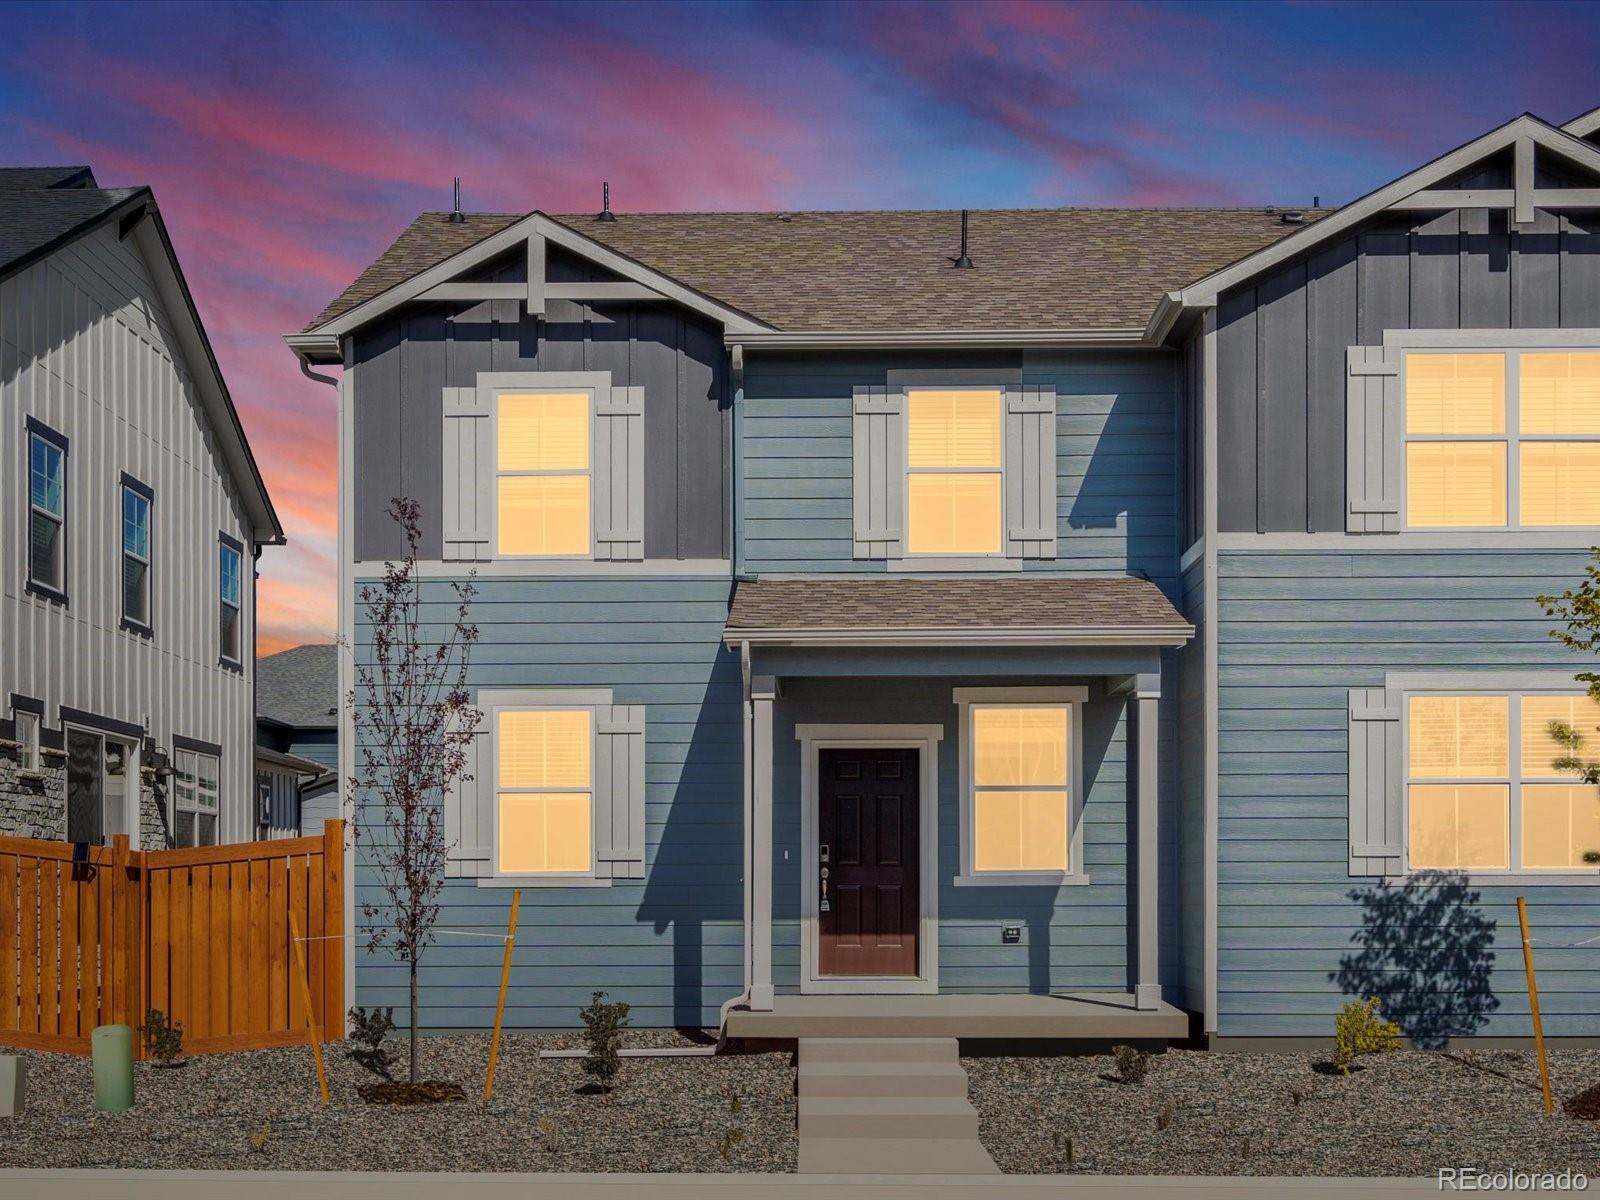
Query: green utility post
pixel 112 1049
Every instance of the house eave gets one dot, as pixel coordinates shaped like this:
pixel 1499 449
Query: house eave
pixel 957 339
pixel 945 638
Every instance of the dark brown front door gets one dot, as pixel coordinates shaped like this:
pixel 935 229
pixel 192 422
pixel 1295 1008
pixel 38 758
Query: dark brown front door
pixel 867 823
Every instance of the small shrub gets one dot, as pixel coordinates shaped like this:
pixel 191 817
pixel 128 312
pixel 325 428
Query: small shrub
pixel 1164 1118
pixel 1064 1148
pixel 735 1104
pixel 729 1143
pixel 259 1140
pixel 163 1037
pixel 1296 1096
pixel 1359 1029
pixel 550 1134
pixel 603 1024
pixel 1132 1063
pixel 369 1029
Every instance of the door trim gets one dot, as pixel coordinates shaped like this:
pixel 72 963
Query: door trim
pixel 925 740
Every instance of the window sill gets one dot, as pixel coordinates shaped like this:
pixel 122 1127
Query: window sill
pixel 228 664
pixel 998 562
pixel 1500 879
pixel 1023 879
pixel 44 592
pixel 543 881
pixel 134 627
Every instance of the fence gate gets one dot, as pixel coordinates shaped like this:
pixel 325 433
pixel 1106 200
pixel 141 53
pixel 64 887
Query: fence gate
pixel 201 934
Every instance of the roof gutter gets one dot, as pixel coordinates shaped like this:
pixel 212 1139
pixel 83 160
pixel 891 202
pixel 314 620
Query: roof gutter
pixel 1072 635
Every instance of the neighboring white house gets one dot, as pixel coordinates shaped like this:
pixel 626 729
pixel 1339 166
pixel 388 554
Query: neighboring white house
pixel 131 516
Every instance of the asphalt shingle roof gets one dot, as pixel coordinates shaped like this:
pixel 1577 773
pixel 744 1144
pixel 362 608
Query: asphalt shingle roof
pixel 960 603
pixel 300 687
pixel 34 216
pixel 1033 269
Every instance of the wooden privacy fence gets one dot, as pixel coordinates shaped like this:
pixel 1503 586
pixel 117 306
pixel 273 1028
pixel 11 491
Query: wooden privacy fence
pixel 201 934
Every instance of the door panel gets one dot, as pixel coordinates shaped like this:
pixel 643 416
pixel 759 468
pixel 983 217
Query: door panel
pixel 868 823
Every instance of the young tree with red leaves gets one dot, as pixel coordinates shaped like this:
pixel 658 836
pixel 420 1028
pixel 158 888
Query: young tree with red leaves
pixel 414 725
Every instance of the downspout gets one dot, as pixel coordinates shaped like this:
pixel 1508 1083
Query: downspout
pixel 748 724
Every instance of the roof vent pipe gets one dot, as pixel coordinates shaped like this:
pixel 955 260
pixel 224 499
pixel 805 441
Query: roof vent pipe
pixel 605 213
pixel 963 263
pixel 456 215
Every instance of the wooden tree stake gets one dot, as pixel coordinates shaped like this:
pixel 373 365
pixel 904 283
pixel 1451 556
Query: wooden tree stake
pixel 305 994
pixel 1533 1003
pixel 500 1005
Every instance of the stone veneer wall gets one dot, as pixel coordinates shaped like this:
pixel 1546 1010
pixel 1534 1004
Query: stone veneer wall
pixel 33 804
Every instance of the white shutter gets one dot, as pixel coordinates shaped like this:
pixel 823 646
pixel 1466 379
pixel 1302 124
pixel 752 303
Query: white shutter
pixel 878 447
pixel 1030 471
pixel 619 791
pixel 468 812
pixel 1377 783
pixel 619 474
pixel 1374 440
pixel 468 497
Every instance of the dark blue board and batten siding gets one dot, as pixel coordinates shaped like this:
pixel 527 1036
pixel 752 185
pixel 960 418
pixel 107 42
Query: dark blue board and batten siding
pixel 668 945
pixel 402 366
pixel 1281 343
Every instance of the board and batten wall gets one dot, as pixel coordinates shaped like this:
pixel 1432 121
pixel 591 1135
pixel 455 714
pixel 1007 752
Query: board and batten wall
pixel 87 349
pixel 402 366
pixel 668 945
pixel 1299 626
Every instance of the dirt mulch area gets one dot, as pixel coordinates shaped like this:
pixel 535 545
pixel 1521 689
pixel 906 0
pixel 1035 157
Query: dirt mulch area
pixel 261 1110
pixel 1402 1114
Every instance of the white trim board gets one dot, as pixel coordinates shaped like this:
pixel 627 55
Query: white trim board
pixel 924 739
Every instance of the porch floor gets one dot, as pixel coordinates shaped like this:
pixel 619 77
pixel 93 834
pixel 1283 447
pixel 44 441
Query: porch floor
pixel 1092 1015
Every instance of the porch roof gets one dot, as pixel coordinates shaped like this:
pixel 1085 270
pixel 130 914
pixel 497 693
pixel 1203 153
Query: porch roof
pixel 1105 610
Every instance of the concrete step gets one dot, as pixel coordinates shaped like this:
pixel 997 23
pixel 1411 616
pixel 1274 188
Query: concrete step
pixel 878 1050
pixel 894 1156
pixel 913 1117
pixel 839 1080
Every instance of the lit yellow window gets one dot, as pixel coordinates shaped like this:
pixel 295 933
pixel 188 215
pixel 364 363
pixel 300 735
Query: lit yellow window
pixel 954 492
pixel 1455 484
pixel 1560 483
pixel 1560 392
pixel 1560 824
pixel 1460 826
pixel 1021 788
pixel 544 791
pixel 1455 393
pixel 1459 737
pixel 543 457
pixel 1539 749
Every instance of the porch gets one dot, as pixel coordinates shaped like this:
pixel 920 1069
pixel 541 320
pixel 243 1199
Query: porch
pixel 1087 1015
pixel 889 888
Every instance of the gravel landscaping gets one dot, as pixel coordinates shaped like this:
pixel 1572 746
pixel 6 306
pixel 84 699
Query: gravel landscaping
pixel 1401 1114
pixel 261 1110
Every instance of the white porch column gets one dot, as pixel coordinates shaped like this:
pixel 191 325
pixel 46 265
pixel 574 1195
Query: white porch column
pixel 1146 702
pixel 763 690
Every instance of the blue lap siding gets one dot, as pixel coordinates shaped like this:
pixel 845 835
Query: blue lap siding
pixel 669 945
pixel 1298 630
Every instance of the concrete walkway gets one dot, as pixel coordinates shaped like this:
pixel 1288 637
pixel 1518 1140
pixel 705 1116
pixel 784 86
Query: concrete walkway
pixel 892 1106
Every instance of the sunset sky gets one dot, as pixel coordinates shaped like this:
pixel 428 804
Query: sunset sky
pixel 288 144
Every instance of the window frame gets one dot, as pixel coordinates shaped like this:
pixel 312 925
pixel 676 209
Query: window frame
pixel 1514 690
pixel 37 430
pixel 129 486
pixel 541 389
pixel 955 556
pixel 226 544
pixel 1073 699
pixel 491 709
pixel 28 761
pixel 195 751
pixel 1511 349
